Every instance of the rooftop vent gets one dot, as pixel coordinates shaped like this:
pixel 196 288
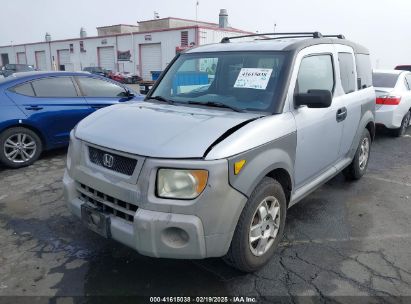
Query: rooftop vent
pixel 83 33
pixel 223 18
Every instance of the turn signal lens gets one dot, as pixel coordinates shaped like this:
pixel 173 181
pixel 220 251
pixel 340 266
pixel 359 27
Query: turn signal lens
pixel 238 166
pixel 201 177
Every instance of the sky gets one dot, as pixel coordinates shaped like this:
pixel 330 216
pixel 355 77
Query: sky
pixel 383 26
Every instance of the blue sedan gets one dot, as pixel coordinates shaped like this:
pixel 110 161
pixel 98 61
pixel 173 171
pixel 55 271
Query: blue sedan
pixel 39 109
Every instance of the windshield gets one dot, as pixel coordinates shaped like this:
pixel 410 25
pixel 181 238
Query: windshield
pixel 93 69
pixel 384 80
pixel 24 68
pixel 243 80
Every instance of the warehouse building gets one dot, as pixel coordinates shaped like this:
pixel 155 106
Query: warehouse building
pixel 148 46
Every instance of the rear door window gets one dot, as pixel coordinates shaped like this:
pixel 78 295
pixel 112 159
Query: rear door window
pixel 23 89
pixel 384 80
pixel 54 87
pixel 347 74
pixel 316 73
pixel 364 71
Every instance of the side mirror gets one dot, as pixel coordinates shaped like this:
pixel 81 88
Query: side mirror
pixel 314 99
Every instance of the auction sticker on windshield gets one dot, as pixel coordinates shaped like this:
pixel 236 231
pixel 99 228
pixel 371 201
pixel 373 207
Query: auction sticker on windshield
pixel 253 78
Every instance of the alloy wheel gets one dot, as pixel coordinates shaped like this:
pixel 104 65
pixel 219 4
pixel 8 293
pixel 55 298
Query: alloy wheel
pixel 405 124
pixel 364 153
pixel 264 226
pixel 20 148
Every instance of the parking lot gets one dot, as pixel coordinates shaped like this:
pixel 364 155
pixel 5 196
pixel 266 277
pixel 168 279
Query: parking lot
pixel 347 238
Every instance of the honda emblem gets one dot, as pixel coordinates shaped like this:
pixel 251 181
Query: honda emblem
pixel 108 160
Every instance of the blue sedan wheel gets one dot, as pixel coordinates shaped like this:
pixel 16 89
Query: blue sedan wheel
pixel 19 147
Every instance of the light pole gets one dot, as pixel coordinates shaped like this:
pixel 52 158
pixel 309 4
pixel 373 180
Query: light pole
pixel 12 50
pixel 197 4
pixel 133 50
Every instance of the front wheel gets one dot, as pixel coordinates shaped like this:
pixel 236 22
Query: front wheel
pixel 404 125
pixel 259 228
pixel 359 164
pixel 19 147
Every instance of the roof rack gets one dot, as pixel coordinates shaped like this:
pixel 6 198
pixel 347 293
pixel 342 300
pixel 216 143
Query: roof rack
pixel 339 36
pixel 284 35
pixel 297 34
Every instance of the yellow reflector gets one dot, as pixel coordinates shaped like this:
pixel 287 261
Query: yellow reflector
pixel 238 166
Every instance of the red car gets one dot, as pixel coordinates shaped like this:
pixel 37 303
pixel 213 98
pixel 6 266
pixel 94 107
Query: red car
pixel 125 77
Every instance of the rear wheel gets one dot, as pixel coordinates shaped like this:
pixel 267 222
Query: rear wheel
pixel 404 125
pixel 19 147
pixel 359 164
pixel 259 228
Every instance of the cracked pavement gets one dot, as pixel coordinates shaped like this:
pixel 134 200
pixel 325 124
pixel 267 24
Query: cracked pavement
pixel 345 239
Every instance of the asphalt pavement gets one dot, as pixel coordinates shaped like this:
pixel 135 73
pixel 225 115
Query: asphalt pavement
pixel 346 241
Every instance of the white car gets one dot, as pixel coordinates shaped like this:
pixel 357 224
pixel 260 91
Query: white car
pixel 393 103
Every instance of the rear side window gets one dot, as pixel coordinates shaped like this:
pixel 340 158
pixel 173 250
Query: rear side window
pixel 23 89
pixel 54 87
pixel 316 73
pixel 384 80
pixel 347 74
pixel 93 87
pixel 408 80
pixel 364 71
pixel 406 85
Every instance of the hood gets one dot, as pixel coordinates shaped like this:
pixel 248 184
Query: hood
pixel 159 130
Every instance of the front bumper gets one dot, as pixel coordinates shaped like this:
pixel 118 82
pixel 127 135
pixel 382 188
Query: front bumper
pixel 150 234
pixel 183 229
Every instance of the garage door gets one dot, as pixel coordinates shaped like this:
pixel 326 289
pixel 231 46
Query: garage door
pixel 64 60
pixel 41 63
pixel 150 59
pixel 21 58
pixel 106 58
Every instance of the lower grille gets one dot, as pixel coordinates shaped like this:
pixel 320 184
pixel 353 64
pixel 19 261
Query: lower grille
pixel 107 203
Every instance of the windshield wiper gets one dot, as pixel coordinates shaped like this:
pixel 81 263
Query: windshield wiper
pixel 217 105
pixel 161 98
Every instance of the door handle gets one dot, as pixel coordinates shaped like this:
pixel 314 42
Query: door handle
pixel 34 108
pixel 97 107
pixel 341 114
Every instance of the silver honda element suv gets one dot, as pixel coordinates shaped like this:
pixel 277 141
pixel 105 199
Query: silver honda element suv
pixel 230 136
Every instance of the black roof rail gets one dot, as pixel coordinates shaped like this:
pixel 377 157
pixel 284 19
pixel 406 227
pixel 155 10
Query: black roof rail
pixel 339 36
pixel 298 34
pixel 286 37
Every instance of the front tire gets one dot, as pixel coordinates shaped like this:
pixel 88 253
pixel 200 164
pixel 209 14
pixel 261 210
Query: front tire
pixel 404 125
pixel 359 165
pixel 19 147
pixel 260 227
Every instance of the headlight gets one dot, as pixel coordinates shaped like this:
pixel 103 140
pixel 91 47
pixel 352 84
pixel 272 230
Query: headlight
pixel 181 184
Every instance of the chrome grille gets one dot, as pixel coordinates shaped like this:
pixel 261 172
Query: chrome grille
pixel 118 163
pixel 106 203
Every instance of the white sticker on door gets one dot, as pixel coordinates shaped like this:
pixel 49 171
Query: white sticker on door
pixel 253 78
